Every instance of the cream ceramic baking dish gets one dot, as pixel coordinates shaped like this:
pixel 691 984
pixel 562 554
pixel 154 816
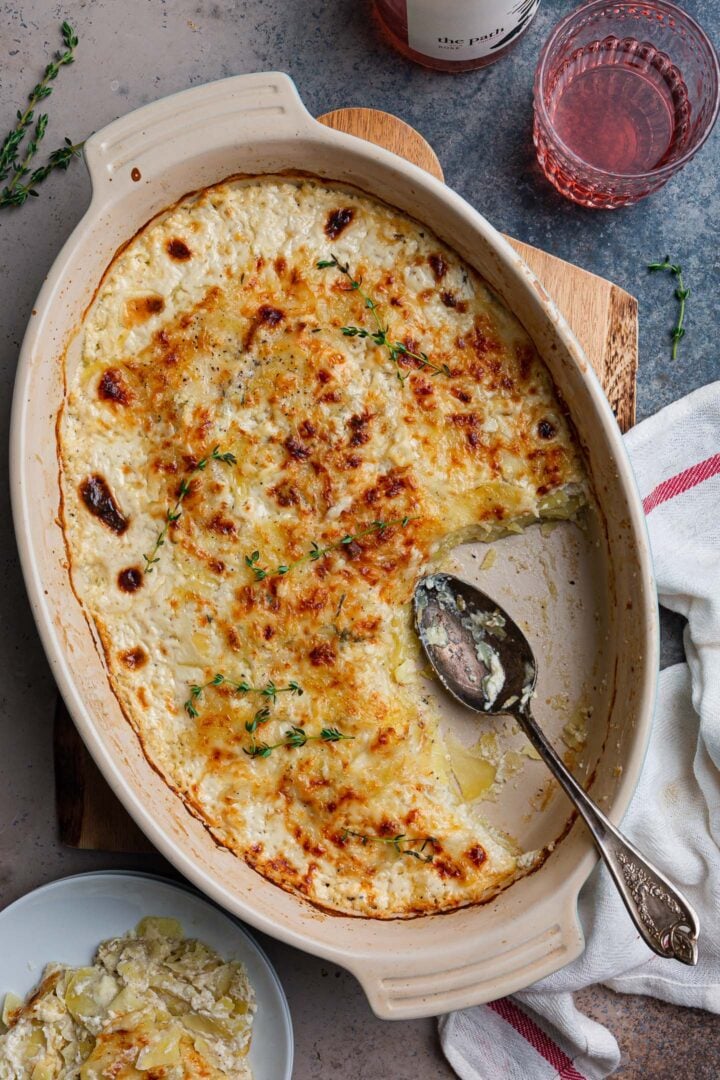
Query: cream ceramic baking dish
pixel 603 630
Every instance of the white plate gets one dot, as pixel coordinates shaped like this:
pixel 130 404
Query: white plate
pixel 66 920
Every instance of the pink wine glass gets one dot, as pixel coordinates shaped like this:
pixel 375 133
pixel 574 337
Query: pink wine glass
pixel 626 93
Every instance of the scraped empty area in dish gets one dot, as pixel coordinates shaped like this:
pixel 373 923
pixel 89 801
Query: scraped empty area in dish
pixel 291 401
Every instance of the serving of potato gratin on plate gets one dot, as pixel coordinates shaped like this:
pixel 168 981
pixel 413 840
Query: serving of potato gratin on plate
pixel 291 401
pixel 153 1005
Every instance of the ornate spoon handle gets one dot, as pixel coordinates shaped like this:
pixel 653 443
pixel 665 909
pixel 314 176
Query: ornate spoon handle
pixel 661 913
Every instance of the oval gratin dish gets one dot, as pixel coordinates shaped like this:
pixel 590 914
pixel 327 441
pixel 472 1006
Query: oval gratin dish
pixel 139 165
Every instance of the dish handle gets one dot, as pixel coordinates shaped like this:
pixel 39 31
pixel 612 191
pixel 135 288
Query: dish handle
pixel 205 122
pixel 400 988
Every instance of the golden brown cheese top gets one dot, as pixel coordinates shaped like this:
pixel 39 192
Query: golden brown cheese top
pixel 291 400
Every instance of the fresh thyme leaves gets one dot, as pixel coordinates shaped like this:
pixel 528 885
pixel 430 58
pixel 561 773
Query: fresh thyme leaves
pixel 175 512
pixel 346 634
pixel 396 349
pixel 15 160
pixel 227 458
pixel 261 717
pixel 252 562
pixel 316 552
pixel 681 293
pixel 296 737
pixel 404 845
pixel 242 686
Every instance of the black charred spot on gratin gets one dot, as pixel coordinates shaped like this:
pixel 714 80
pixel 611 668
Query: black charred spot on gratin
pixel 384 737
pixel 424 392
pixel 177 249
pixel 266 315
pixel 469 423
pixel 450 300
pixel 438 265
pixel 130 579
pixel 97 496
pixel 314 600
pixel 476 855
pixel 352 549
pixel 445 868
pixel 271 316
pixel 141 308
pixel 387 487
pixel 134 658
pixel 338 221
pixel 484 340
pixel 359 428
pixel 222 526
pixel 322 654
pixel 285 494
pixel 295 449
pixel 112 387
pixel 546 430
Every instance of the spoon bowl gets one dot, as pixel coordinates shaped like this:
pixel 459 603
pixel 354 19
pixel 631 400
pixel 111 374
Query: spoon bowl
pixel 477 651
pixel 482 657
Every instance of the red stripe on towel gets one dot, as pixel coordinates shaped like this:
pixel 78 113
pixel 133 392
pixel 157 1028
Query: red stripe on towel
pixel 683 481
pixel 537 1038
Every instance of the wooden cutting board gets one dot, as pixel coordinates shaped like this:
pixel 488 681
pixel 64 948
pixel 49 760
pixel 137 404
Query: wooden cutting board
pixel 603 318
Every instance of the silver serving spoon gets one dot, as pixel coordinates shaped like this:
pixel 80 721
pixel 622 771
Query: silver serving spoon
pixel 483 658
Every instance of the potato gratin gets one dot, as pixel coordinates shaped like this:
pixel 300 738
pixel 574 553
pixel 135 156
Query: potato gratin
pixel 291 400
pixel 153 1006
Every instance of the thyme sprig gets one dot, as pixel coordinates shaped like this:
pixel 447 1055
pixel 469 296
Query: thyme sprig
pixel 16 165
pixel 295 737
pixel 681 293
pixel 404 845
pixel 241 686
pixel 379 336
pixel 316 552
pixel 174 513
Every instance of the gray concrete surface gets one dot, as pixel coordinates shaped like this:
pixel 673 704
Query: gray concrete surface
pixel 134 51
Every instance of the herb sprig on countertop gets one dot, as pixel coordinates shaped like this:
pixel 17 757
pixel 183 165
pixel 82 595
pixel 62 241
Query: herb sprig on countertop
pixel 15 159
pixel 404 845
pixel 296 737
pixel 681 294
pixel 396 349
pixel 270 691
pixel 175 512
pixel 316 552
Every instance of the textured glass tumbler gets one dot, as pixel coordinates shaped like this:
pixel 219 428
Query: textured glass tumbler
pixel 600 68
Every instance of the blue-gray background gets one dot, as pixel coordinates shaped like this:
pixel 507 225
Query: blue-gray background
pixel 134 51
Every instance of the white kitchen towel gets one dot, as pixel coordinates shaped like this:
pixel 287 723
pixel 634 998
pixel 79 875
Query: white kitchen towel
pixel 675 813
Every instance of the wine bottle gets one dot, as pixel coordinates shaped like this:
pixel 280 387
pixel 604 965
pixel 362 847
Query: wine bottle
pixel 455 35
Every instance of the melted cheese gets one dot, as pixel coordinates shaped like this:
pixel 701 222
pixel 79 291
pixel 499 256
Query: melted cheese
pixel 215 327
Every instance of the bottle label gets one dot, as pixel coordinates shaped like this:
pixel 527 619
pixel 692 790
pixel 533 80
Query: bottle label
pixel 466 29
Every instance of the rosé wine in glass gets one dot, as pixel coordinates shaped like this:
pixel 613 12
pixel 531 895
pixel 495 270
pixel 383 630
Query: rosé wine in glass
pixel 625 94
